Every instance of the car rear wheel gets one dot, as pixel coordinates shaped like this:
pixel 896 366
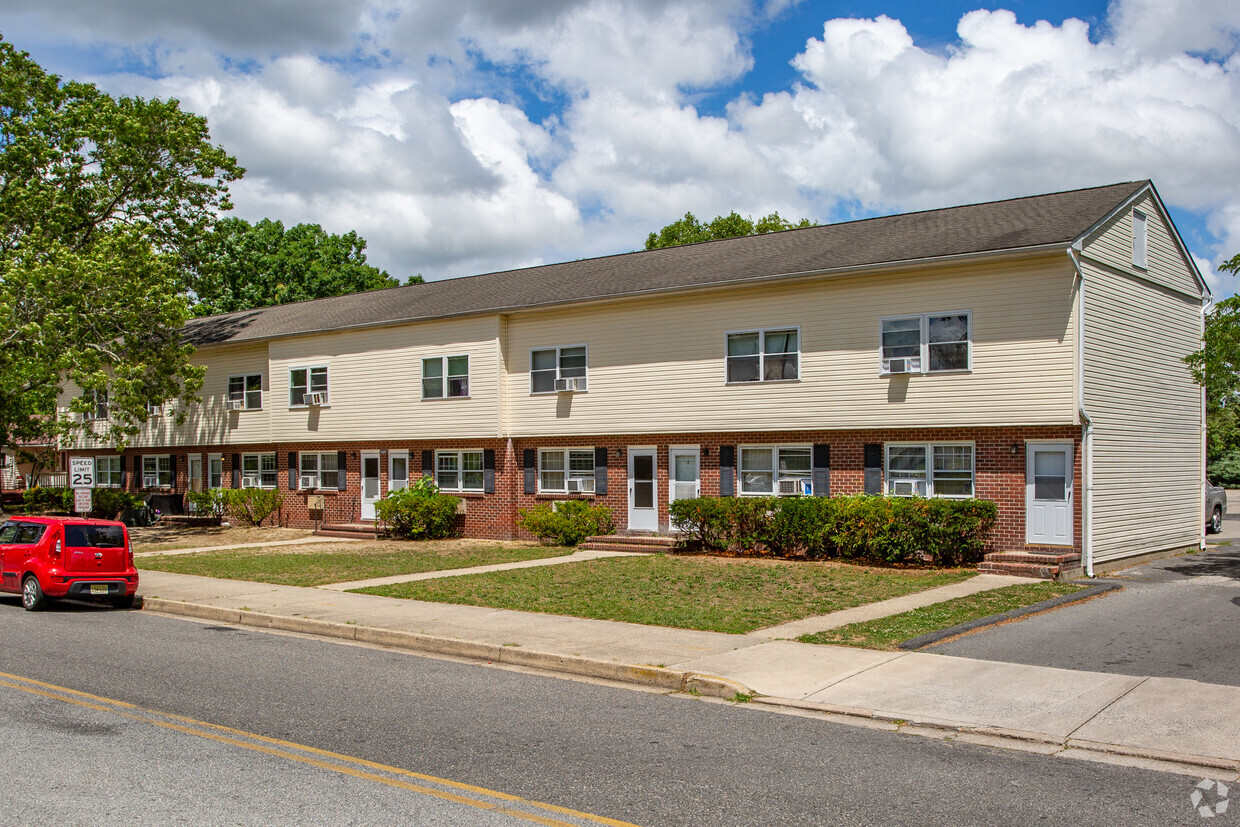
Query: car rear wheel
pixel 33 598
pixel 1216 521
pixel 125 602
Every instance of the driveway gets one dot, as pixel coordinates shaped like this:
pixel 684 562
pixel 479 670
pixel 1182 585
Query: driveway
pixel 1177 618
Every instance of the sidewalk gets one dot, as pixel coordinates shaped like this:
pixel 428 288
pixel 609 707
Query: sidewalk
pixel 1160 723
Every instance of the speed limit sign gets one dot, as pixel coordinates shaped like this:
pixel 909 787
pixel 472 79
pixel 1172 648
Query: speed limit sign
pixel 81 472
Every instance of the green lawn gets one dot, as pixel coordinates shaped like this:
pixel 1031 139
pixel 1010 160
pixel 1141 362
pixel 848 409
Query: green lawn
pixel 710 594
pixel 890 632
pixel 315 565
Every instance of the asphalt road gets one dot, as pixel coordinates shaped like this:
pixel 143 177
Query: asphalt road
pixel 639 757
pixel 1176 618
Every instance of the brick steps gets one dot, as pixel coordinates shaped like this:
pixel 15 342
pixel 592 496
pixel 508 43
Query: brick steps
pixel 1045 564
pixel 629 542
pixel 353 531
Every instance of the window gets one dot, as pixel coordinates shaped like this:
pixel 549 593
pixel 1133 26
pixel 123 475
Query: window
pixel 1139 240
pixel 462 470
pixel 215 470
pixel 154 409
pixel 558 465
pixel 930 343
pixel 551 364
pixel 98 405
pixel 764 355
pixel 258 470
pixel 248 390
pixel 107 472
pixel 930 470
pixel 445 376
pixel 302 381
pixel 762 467
pixel 324 468
pixel 157 471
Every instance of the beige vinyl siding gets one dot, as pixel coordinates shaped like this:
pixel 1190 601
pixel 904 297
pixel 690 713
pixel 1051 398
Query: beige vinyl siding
pixel 1112 245
pixel 1146 412
pixel 375 383
pixel 657 365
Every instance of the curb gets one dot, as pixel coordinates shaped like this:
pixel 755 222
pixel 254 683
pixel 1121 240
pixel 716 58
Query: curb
pixel 672 680
pixel 931 638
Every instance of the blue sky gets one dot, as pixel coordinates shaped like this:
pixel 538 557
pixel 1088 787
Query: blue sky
pixel 483 134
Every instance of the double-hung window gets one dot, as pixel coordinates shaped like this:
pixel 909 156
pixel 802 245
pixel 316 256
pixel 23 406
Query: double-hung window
pixel 556 466
pixel 319 470
pixel 303 382
pixel 931 470
pixel 246 389
pixel 97 402
pixel 157 471
pixel 926 344
pixel 154 409
pixel 107 472
pixel 764 355
pixel 774 469
pixel 258 470
pixel 551 367
pixel 445 376
pixel 459 470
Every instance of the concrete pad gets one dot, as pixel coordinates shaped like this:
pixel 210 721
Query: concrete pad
pixel 1172 717
pixel 787 669
pixel 974 693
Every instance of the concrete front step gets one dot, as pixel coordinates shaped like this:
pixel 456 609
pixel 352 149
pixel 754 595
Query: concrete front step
pixel 1044 563
pixel 355 531
pixel 629 542
pixel 1045 558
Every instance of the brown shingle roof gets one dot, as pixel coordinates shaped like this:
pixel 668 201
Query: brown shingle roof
pixel 1030 222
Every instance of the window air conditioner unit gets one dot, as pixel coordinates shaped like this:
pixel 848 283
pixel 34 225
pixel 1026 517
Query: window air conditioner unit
pixel 309 481
pixel 150 480
pixel 249 482
pixel 905 488
pixel 794 486
pixel 581 485
pixel 316 398
pixel 236 404
pixel 571 385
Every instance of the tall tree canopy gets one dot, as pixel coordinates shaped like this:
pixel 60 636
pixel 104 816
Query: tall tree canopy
pixel 1216 367
pixel 689 230
pixel 103 202
pixel 247 265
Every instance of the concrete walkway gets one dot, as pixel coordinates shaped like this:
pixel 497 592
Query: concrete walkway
pixel 1176 725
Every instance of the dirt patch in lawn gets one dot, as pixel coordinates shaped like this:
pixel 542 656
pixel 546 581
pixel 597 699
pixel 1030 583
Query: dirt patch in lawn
pixel 167 537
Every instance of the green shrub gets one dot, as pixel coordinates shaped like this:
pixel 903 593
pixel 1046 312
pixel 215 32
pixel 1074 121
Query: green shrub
pixel 109 503
pixel 251 505
pixel 801 527
pixel 48 499
pixel 705 519
pixel 418 512
pixel 209 503
pixel 566 523
pixel 1225 470
pixel 749 520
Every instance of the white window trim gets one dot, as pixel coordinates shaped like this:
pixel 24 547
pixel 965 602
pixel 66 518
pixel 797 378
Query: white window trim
pixel 318 470
pixel 761 354
pixel 262 391
pixel 259 471
pixel 93 415
pixel 567 471
pixel 460 471
pixel 558 349
pixel 924 356
pixel 99 477
pixel 775 448
pixel 469 384
pixel 172 470
pixel 307 368
pixel 1140 240
pixel 929 446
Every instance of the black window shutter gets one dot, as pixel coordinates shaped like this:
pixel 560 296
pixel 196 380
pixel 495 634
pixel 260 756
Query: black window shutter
pixel 428 463
pixel 292 471
pixel 821 471
pixel 600 471
pixel 530 470
pixel 727 470
pixel 488 470
pixel 236 470
pixel 342 477
pixel 873 468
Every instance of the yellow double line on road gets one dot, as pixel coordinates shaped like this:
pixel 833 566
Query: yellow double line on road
pixel 468 795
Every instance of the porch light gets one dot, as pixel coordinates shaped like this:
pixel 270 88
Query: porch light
pixel 1015 448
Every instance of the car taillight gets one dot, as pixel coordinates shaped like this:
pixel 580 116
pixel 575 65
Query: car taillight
pixel 56 548
pixel 129 549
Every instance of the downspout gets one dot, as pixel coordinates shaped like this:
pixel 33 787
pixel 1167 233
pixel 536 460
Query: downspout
pixel 1087 425
pixel 1206 304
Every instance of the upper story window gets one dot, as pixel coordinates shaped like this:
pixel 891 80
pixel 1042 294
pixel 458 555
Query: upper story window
pixel 927 344
pixel 307 386
pixel 258 470
pixel 561 470
pixel 943 470
pixel 320 470
pixel 445 376
pixel 1140 240
pixel 551 369
pixel 459 470
pixel 157 471
pixel 774 469
pixel 108 472
pixel 764 355
pixel 98 402
pixel 245 392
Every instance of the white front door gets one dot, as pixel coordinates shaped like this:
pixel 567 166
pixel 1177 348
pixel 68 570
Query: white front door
pixel 370 483
pixel 1048 494
pixel 643 490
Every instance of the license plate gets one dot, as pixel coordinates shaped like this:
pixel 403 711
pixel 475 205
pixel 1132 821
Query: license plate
pixel 98 588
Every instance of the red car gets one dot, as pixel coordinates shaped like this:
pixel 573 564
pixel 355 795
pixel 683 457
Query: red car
pixel 49 557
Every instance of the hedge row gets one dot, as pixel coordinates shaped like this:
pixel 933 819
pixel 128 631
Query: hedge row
pixel 891 529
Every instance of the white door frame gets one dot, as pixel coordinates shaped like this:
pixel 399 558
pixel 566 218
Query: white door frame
pixel 679 451
pixel 368 503
pixel 392 457
pixel 190 461
pixel 644 519
pixel 1069 504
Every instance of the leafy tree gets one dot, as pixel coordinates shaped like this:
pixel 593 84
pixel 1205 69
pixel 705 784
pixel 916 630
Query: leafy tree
pixel 102 203
pixel 247 265
pixel 689 230
pixel 1216 367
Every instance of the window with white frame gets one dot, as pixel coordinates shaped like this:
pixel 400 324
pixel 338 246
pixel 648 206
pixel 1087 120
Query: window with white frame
pixel 154 408
pixel 459 470
pixel 930 470
pixel 157 471
pixel 549 367
pixel 319 470
pixel 248 390
pixel 258 470
pixel 107 472
pixel 927 344
pixel 445 376
pixel 774 469
pixel 215 470
pixel 1140 240
pixel 556 466
pixel 305 381
pixel 97 402
pixel 764 355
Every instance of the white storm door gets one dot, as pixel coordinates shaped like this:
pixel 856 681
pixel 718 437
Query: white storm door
pixel 683 469
pixel 643 490
pixel 1048 494
pixel 195 472
pixel 398 470
pixel 370 483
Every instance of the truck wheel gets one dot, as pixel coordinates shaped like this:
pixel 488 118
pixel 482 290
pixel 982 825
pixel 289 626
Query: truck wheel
pixel 1216 521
